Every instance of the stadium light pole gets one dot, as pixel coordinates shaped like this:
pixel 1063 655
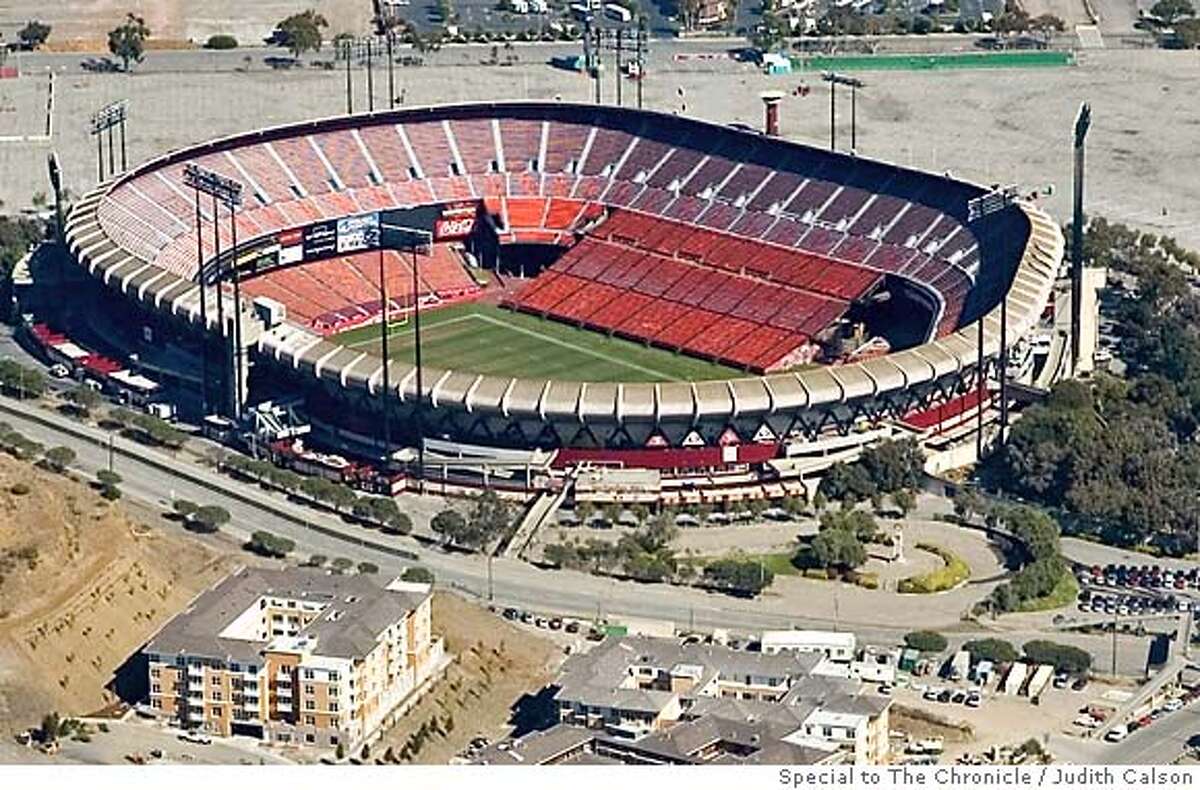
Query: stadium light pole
pixel 834 79
pixel 383 342
pixel 1083 122
pixel 412 239
pixel 105 120
pixel 203 308
pixel 228 192
pixel 348 49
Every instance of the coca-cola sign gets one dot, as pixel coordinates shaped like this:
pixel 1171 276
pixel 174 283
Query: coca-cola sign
pixel 453 228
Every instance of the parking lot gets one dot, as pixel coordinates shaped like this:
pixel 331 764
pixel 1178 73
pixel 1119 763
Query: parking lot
pixel 1127 590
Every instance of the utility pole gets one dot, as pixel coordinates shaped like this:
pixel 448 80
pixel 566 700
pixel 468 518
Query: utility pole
pixel 980 383
pixel 490 589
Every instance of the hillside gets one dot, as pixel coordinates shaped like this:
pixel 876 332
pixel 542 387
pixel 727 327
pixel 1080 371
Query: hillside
pixel 81 589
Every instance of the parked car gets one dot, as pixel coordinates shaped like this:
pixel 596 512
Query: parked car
pixel 974 700
pixel 1080 684
pixel 1117 734
pixel 191 736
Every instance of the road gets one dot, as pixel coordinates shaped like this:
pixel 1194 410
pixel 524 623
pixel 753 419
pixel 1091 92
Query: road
pixel 1158 744
pixel 148 477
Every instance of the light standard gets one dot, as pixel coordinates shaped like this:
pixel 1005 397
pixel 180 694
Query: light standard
pixel 228 192
pixel 403 237
pixel 854 83
pixel 105 120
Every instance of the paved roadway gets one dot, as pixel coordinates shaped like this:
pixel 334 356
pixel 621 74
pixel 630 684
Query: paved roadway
pixel 515 583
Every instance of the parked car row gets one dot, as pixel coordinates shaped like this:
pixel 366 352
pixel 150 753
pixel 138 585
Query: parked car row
pixel 1119 732
pixel 1126 604
pixel 1148 577
pixel 972 699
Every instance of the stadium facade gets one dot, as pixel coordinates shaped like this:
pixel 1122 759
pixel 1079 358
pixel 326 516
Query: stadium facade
pixel 660 219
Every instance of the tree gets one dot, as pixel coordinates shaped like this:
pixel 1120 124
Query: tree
pixel 270 545
pixel 490 518
pixel 417 575
pixel 906 500
pixel 742 576
pixel 128 42
pixel 894 464
pixel 34 34
pixel 454 528
pixel 926 641
pixel 837 548
pixel 341 564
pixel 301 32
pixel 51 724
pixel 1066 658
pixel 857 522
pixel 316 560
pixel 106 478
pixel 209 518
pixel 368 567
pixel 847 482
pixel 1169 11
pixel 997 651
pixel 1047 25
pixel 59 458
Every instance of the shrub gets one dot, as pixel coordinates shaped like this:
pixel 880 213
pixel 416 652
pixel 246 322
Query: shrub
pixel 368 567
pixel 19 489
pixel 953 573
pixel 270 545
pixel 221 41
pixel 926 641
pixel 418 575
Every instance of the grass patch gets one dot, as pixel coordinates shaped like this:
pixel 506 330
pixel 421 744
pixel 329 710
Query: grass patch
pixel 1064 593
pixel 486 339
pixel 952 573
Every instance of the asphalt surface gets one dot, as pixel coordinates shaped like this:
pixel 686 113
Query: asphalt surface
pixel 514 583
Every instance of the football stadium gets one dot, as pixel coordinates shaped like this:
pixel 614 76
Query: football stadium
pixel 547 285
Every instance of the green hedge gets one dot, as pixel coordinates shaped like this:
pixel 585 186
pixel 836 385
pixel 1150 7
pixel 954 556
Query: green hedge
pixel 221 41
pixel 953 573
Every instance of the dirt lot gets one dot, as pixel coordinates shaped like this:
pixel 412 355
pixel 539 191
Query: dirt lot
pixel 87 22
pixel 489 690
pixel 83 587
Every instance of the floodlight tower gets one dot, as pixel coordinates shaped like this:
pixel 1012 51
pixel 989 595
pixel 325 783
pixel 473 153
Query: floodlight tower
pixel 1083 122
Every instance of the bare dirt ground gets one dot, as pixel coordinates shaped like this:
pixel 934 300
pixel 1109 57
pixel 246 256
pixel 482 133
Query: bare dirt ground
pixel 83 587
pixel 79 23
pixel 488 690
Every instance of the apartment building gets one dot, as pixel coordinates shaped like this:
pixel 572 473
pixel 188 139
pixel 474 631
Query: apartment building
pixel 639 688
pixel 295 656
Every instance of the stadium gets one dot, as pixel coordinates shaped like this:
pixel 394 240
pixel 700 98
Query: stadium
pixel 596 285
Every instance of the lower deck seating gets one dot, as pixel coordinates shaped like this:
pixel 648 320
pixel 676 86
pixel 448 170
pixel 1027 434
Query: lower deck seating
pixel 723 315
pixel 338 293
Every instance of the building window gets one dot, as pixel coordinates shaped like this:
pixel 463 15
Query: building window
pixel 235 667
pixel 333 706
pixel 156 703
pixel 310 738
pixel 156 689
pixel 334 691
pixel 310 720
pixel 333 740
pixel 310 705
pixel 309 674
pixel 155 672
pixel 309 689
pixel 216 696
pixel 333 677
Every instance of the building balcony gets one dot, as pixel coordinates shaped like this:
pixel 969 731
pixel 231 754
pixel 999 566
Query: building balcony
pixel 283 707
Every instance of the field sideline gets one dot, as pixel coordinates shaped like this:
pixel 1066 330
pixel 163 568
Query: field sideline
pixel 486 339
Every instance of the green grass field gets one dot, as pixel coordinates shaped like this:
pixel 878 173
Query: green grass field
pixel 493 341
pixel 938 61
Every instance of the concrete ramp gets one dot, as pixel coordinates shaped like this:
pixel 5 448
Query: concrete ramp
pixel 1089 37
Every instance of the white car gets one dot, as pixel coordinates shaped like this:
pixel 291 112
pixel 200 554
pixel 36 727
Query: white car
pixel 1117 734
pixel 192 736
pixel 1172 705
pixel 1085 721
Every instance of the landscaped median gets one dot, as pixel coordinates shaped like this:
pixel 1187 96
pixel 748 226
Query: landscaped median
pixel 952 573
